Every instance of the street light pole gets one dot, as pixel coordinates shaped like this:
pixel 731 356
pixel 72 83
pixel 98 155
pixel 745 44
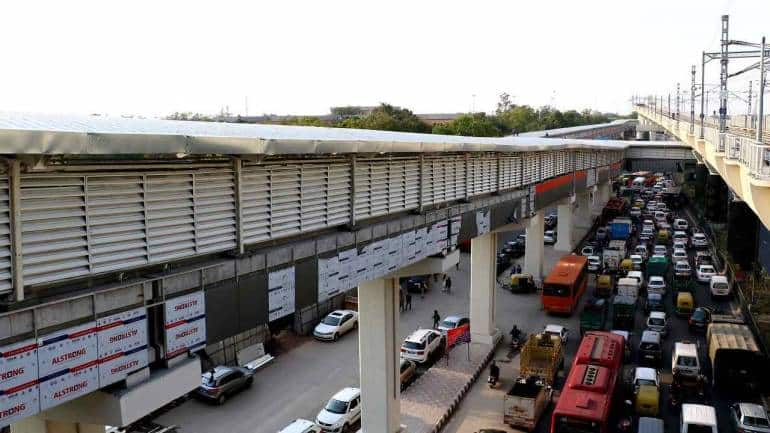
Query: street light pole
pixel 677 106
pixel 702 92
pixel 692 100
pixel 723 77
pixel 761 107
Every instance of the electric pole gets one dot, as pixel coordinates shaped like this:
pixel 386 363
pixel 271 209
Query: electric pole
pixel 761 107
pixel 702 92
pixel 748 123
pixel 677 106
pixel 692 100
pixel 723 80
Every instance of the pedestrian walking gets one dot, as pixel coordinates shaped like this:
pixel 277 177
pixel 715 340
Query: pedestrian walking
pixel 408 305
pixel 448 284
pixel 422 288
pixel 436 319
pixel 401 300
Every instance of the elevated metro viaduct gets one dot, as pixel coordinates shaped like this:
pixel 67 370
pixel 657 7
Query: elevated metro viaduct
pixel 132 247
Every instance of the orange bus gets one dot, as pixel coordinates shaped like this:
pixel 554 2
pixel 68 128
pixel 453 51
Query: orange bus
pixel 566 283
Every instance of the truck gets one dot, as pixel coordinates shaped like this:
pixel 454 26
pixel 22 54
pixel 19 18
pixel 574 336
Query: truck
pixel 736 360
pixel 542 356
pixel 628 287
pixel 593 316
pixel 613 209
pixel 658 266
pixel 623 310
pixel 612 254
pixel 525 402
pixel 620 229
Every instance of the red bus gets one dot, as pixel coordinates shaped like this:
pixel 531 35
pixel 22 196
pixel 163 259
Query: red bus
pixel 566 283
pixel 586 400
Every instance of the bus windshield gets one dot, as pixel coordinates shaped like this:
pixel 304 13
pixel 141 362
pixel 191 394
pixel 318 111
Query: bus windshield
pixel 556 290
pixel 566 424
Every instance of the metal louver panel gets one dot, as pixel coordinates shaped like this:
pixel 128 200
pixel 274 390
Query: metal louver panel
pixel 412 179
pixel 5 236
pixel 215 210
pixel 548 163
pixel 440 181
pixel 314 179
pixel 285 200
pixel 255 204
pixel 455 175
pixel 116 222
pixel 53 219
pixel 171 216
pixel 531 169
pixel 338 194
pixel 363 198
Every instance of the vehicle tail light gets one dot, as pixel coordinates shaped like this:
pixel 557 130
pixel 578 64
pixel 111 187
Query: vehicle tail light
pixel 690 321
pixel 403 350
pixel 420 352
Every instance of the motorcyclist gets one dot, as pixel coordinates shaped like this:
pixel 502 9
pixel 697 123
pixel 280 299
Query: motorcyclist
pixel 515 332
pixel 494 371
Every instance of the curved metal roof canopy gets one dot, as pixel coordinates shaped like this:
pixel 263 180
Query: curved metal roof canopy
pixel 40 134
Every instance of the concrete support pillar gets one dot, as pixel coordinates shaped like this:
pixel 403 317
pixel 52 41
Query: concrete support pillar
pixel 564 228
pixel 378 353
pixel 605 191
pixel 533 252
pixel 483 283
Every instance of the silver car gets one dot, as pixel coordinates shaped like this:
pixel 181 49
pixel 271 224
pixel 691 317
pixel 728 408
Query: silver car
pixel 749 418
pixel 221 382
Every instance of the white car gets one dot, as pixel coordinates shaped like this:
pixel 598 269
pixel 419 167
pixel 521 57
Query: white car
pixel 452 322
pixel 594 263
pixel 336 324
pixel 645 376
pixel 342 411
pixel 679 255
pixel 680 236
pixel 301 426
pixel 681 224
pixel 635 212
pixel 679 245
pixel 636 261
pixel 657 322
pixel 682 269
pixel 660 216
pixel 636 275
pixel 549 237
pixel 660 250
pixel 647 234
pixel 641 249
pixel 699 240
pixel 705 272
pixel 588 250
pixel 656 284
pixel 557 331
pixel 419 346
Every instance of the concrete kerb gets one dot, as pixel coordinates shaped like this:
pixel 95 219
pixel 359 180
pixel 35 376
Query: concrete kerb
pixel 461 394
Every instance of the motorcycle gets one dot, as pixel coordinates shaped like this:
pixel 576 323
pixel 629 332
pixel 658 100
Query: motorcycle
pixel 492 381
pixel 626 422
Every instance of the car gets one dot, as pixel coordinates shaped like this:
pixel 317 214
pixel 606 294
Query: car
pixel 699 319
pixel 341 411
pixel 407 369
pixel 749 418
pixel 654 302
pixel 682 269
pixel 657 322
pixel 557 331
pixel 550 220
pixel 680 236
pixel 651 205
pixel 679 245
pixel 646 234
pixel 656 284
pixel 221 382
pixel 549 237
pixel 452 322
pixel 660 216
pixel 698 418
pixel 636 261
pixel 699 240
pixel 414 284
pixel 301 426
pixel 638 276
pixel 679 255
pixel 648 223
pixel 650 348
pixel 703 258
pixel 719 286
pixel 601 234
pixel 514 249
pixel 589 250
pixel 704 273
pixel 335 324
pixel 681 224
pixel 635 212
pixel 503 261
pixel 594 263
pixel 642 250
pixel 660 250
pixel 421 344
pixel 522 239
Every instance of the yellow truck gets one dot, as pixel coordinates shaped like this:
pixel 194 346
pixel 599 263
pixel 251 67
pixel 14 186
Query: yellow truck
pixel 542 356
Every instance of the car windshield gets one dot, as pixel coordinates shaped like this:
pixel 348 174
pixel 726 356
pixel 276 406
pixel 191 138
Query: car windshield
pixel 655 321
pixel 687 361
pixel 336 406
pixel 706 269
pixel 448 324
pixel 755 422
pixel 414 345
pixel 331 320
pixel 698 315
pixel 641 382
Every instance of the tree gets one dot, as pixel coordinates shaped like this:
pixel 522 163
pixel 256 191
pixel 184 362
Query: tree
pixel 387 118
pixel 473 125
pixel 504 104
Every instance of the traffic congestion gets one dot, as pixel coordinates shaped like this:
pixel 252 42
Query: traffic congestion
pixel 663 341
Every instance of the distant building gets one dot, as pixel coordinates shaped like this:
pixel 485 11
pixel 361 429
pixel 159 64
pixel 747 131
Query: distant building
pixel 438 118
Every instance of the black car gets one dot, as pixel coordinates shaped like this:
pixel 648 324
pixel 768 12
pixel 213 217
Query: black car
pixel 503 261
pixel 514 249
pixel 700 319
pixel 414 284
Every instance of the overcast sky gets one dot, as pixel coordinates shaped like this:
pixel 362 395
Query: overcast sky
pixel 155 57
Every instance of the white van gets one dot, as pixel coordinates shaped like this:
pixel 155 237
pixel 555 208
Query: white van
pixel 301 426
pixel 698 418
pixel 685 360
pixel 719 286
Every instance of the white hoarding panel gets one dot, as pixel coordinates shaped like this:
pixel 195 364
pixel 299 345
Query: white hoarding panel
pixel 482 222
pixel 347 266
pixel 122 344
pixel 408 240
pixel 378 254
pixel 328 278
pixel 394 253
pixel 420 243
pixel 363 267
pixel 280 292
pixel 19 391
pixel 185 323
pixel 67 364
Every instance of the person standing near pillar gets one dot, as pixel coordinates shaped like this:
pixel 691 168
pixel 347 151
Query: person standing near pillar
pixel 436 319
pixel 408 305
pixel 448 284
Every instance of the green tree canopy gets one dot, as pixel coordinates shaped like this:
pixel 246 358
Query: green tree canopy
pixel 387 118
pixel 473 125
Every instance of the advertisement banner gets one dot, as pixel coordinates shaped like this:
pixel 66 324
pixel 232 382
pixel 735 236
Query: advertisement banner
pixel 19 392
pixel 185 323
pixel 122 341
pixel 67 364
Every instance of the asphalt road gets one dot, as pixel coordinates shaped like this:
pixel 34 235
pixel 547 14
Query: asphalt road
pixel 482 407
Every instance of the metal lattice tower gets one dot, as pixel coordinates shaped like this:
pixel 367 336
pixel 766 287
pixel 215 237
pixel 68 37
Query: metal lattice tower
pixel 723 76
pixel 692 100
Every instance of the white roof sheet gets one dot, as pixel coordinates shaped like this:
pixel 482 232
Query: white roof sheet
pixel 573 129
pixel 22 133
